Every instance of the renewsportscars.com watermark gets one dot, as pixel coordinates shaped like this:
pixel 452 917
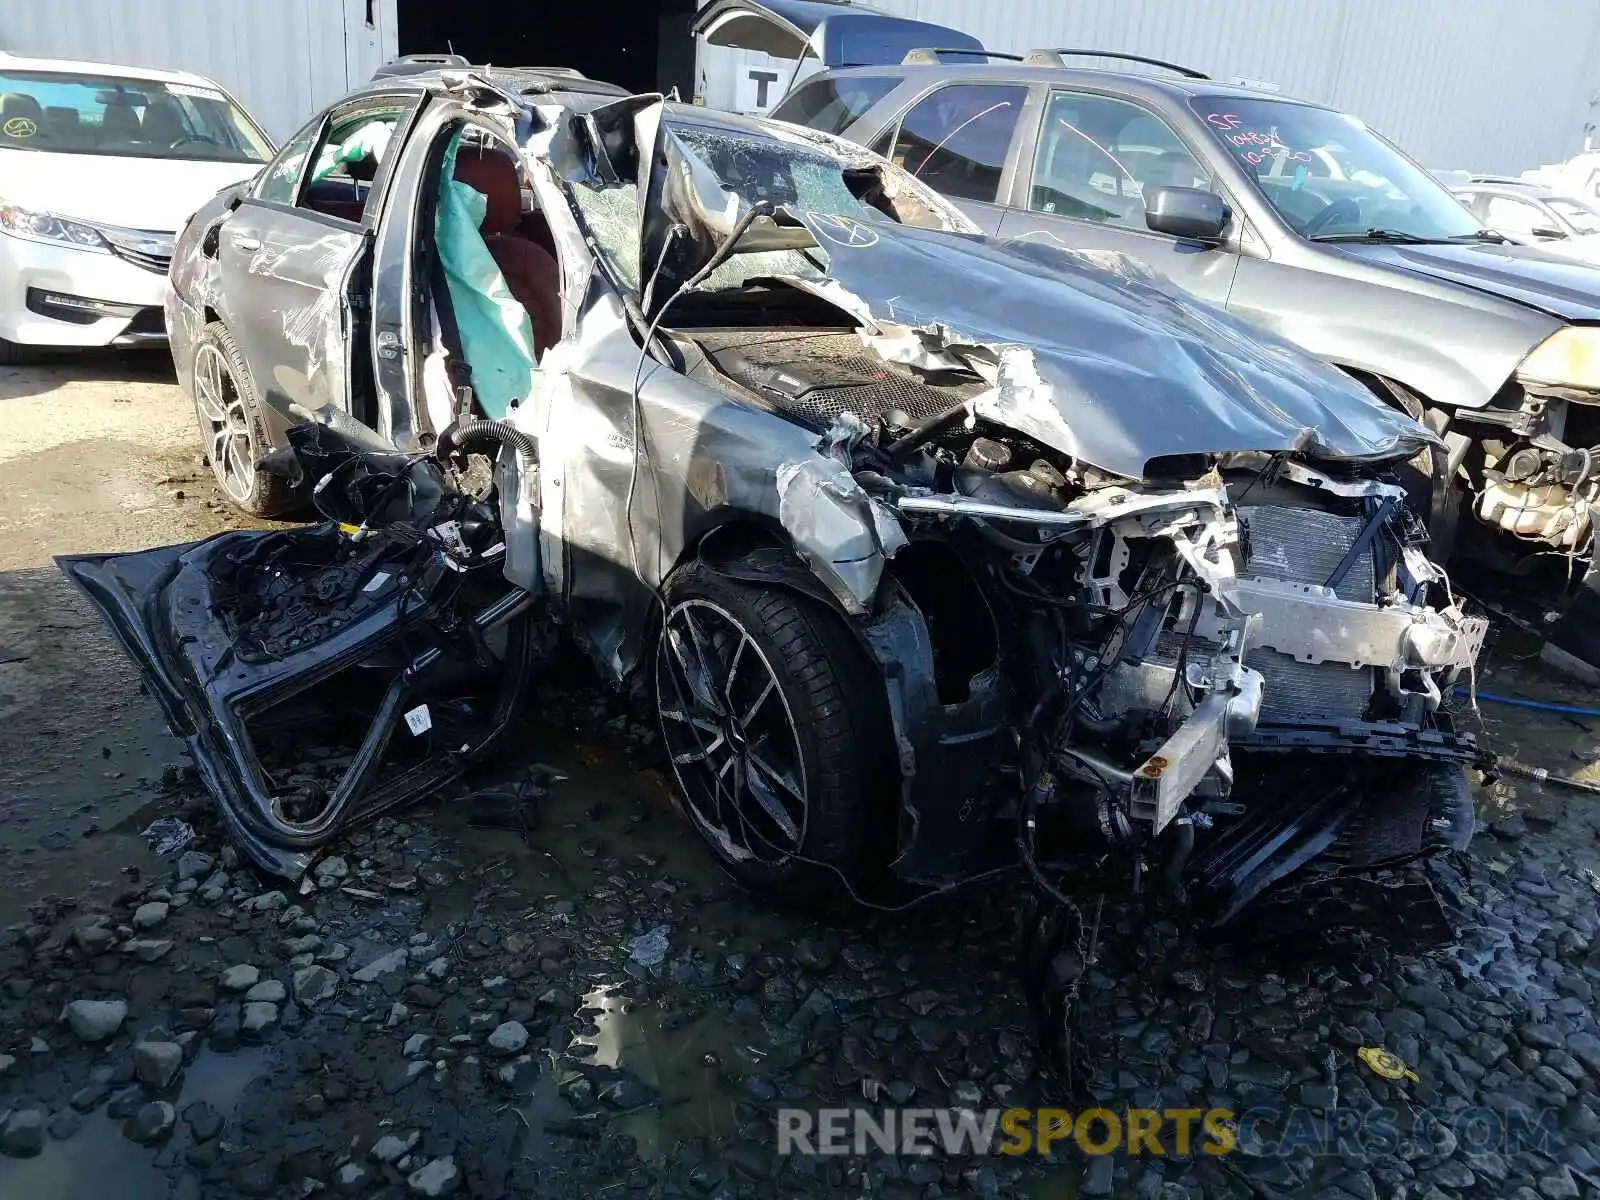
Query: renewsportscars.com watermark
pixel 1263 1132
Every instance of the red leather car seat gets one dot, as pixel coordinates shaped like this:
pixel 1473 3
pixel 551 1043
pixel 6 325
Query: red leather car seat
pixel 530 270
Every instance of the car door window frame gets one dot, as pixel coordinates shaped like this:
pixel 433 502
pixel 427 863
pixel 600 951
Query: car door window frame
pixel 1539 214
pixel 896 124
pixel 1027 162
pixel 409 102
pixel 313 129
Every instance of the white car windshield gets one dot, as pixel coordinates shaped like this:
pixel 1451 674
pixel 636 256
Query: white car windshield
pixel 1329 176
pixel 1581 217
pixel 69 113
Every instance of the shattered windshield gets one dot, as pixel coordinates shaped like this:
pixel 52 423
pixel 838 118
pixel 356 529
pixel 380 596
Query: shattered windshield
pixel 800 175
pixel 1329 176
pixel 783 175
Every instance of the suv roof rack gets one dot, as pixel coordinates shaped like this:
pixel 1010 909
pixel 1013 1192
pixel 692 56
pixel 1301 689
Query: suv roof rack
pixel 416 64
pixel 1504 179
pixel 568 72
pixel 1056 57
pixel 928 56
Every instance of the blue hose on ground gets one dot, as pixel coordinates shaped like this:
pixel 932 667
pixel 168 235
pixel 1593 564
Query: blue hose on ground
pixel 1570 710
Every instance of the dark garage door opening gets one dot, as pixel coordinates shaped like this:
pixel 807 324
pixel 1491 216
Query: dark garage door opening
pixel 642 45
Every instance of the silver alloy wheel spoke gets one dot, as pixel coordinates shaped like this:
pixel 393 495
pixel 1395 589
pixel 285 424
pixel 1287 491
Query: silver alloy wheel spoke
pixel 757 775
pixel 769 772
pixel 238 465
pixel 733 671
pixel 688 718
pixel 750 710
pixel 730 734
pixel 696 673
pixel 700 754
pixel 222 411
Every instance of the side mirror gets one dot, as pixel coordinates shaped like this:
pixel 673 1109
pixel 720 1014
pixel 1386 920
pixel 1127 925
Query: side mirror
pixel 1193 214
pixel 1549 234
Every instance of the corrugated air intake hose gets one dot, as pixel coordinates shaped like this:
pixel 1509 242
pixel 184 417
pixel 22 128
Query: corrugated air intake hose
pixel 458 437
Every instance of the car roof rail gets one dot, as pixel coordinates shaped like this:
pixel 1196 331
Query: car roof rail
pixel 1504 179
pixel 1056 57
pixel 928 56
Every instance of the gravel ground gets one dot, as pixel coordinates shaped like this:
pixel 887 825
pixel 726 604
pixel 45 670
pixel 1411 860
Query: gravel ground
pixel 583 1007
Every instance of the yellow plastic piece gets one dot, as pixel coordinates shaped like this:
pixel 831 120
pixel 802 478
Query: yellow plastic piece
pixel 1386 1065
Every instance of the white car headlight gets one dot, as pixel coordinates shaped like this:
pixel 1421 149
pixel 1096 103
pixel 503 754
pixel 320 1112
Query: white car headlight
pixel 47 227
pixel 140 241
pixel 1569 357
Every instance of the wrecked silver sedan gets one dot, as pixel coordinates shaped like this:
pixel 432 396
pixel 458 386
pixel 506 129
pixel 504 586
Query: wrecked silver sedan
pixel 932 549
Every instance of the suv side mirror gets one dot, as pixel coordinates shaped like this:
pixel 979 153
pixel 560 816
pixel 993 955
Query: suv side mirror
pixel 1193 214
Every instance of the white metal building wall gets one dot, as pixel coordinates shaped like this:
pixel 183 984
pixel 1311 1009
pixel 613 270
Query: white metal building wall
pixel 1487 85
pixel 283 59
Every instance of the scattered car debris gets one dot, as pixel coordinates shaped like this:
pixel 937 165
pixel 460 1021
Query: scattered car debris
pixel 510 806
pixel 168 836
pixel 649 949
pixel 1386 1065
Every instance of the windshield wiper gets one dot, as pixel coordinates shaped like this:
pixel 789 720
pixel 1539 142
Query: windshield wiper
pixel 1482 235
pixel 1397 236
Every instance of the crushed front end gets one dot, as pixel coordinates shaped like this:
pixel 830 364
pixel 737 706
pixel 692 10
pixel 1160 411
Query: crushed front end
pixel 1181 656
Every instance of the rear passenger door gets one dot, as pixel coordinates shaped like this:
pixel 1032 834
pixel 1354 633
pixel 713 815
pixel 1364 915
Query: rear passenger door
pixel 1093 159
pixel 958 139
pixel 290 256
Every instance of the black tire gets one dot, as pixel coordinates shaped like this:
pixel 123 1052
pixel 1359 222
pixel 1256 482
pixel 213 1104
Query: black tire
pixel 233 435
pixel 832 695
pixel 13 355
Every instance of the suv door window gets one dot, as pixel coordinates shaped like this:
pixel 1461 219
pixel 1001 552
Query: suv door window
pixel 956 139
pixel 833 105
pixel 1096 156
pixel 280 182
pixel 1509 215
pixel 348 159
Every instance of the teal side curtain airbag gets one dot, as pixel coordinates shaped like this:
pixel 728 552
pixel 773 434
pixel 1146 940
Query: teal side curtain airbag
pixel 496 334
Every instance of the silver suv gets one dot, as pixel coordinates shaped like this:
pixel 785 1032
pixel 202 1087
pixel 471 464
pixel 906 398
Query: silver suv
pixel 1293 215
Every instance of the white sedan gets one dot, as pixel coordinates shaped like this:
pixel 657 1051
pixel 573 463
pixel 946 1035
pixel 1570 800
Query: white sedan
pixel 100 166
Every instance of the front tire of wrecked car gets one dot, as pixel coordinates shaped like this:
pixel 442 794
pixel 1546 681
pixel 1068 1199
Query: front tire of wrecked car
pixel 232 431
pixel 775 721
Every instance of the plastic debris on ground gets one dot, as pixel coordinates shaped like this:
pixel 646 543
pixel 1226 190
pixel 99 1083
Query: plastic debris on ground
pixel 649 949
pixel 168 836
pixel 1386 1065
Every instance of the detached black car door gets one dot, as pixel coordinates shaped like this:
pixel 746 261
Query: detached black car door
pixel 292 258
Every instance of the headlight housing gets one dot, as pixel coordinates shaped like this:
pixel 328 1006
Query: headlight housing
pixel 1569 357
pixel 35 226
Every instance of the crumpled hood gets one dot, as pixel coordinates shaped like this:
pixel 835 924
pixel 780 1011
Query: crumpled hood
pixel 1530 275
pixel 157 194
pixel 1104 360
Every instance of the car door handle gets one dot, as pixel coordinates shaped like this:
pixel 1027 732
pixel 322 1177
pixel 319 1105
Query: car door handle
pixel 246 243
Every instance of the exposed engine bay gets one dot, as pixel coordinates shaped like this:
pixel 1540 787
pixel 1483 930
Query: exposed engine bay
pixel 1144 633
pixel 1531 474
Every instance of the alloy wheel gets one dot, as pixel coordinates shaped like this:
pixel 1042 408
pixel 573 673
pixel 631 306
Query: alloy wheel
pixel 731 735
pixel 224 423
